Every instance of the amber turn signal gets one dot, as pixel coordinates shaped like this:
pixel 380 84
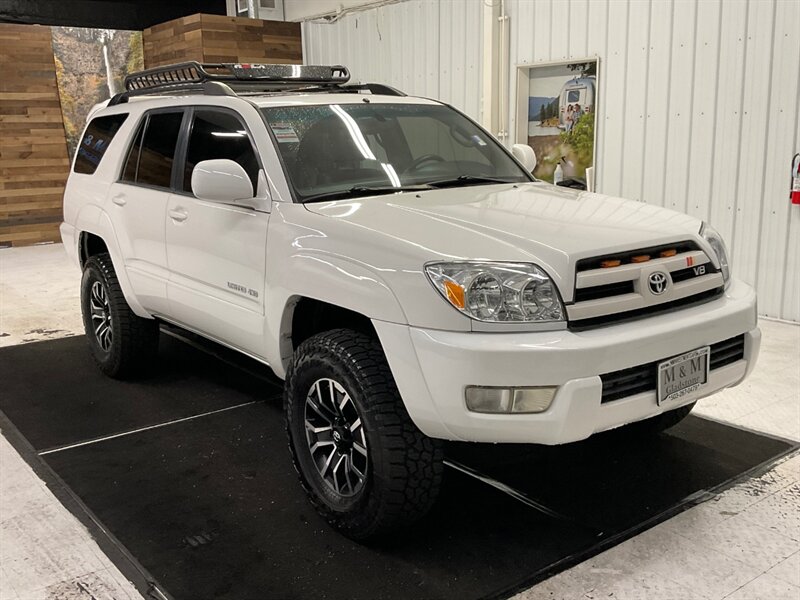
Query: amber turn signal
pixel 608 264
pixel 455 293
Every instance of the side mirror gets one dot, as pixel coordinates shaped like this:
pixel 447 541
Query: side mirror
pixel 524 154
pixel 221 180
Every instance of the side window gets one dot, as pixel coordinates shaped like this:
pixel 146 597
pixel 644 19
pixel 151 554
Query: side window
pixel 158 149
pixel 217 134
pixel 95 141
pixel 151 163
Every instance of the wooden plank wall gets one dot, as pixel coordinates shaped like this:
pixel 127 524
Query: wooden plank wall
pixel 215 38
pixel 33 146
pixel 33 152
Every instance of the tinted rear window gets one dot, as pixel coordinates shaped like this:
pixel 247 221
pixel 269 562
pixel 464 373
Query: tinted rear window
pixel 95 142
pixel 152 152
pixel 158 149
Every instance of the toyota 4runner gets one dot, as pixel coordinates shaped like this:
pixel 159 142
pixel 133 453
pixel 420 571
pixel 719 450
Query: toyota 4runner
pixel 397 267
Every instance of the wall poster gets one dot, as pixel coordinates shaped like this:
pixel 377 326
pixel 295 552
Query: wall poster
pixel 556 117
pixel 91 65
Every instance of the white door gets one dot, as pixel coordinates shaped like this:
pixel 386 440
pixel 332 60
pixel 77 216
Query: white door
pixel 138 206
pixel 216 252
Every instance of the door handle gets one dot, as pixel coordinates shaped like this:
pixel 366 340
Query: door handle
pixel 178 215
pixel 119 200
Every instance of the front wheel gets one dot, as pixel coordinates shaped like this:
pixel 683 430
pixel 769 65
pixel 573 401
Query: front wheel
pixel 363 463
pixel 121 343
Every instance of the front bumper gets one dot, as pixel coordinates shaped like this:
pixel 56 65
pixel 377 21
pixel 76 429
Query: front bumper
pixel 432 369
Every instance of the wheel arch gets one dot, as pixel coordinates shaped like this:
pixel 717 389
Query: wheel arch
pixel 305 316
pixel 314 291
pixel 95 232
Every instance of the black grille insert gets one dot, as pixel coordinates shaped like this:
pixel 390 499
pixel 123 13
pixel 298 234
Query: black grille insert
pixel 604 291
pixel 648 311
pixel 643 378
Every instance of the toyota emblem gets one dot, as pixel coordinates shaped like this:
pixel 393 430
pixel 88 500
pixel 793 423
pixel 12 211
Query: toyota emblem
pixel 657 282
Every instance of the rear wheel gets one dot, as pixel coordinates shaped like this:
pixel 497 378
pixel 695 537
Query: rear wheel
pixel 662 422
pixel 363 463
pixel 121 343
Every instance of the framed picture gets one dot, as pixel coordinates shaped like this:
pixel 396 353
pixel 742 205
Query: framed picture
pixel 556 108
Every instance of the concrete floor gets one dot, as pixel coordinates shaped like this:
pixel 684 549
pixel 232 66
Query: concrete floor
pixel 744 544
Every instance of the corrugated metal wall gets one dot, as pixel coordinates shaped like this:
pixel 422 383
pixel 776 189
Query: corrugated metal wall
pixel 698 101
pixel 423 47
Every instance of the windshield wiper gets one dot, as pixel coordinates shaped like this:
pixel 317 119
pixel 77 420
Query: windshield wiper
pixel 468 180
pixel 366 190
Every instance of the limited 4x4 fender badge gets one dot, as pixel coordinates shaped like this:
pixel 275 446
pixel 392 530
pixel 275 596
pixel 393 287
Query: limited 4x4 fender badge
pixel 242 290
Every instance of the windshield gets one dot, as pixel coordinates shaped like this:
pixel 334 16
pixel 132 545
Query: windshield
pixel 336 150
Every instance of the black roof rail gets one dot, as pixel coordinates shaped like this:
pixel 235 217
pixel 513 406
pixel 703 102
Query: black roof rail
pixel 373 88
pixel 227 78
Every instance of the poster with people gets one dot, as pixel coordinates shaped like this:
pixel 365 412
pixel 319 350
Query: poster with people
pixel 561 118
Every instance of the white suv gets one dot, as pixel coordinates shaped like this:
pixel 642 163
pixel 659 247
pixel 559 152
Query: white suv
pixel 400 269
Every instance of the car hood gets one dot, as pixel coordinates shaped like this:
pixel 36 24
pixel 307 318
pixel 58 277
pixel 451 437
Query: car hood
pixel 533 222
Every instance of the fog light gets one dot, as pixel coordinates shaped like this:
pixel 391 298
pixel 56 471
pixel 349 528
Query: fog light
pixel 532 400
pixel 509 400
pixel 488 400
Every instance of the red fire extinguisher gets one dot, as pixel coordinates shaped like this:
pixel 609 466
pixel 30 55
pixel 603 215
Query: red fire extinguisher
pixel 796 179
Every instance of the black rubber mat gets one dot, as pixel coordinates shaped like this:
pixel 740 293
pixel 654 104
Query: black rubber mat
pixel 212 509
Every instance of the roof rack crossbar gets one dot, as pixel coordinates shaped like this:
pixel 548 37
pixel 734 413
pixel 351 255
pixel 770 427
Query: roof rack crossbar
pixel 228 78
pixel 195 72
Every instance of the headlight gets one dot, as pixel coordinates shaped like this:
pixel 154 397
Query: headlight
pixel 498 292
pixel 717 244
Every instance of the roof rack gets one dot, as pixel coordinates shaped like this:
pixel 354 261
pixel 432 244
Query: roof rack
pixel 233 79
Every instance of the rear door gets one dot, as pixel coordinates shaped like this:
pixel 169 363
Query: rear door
pixel 216 252
pixel 138 205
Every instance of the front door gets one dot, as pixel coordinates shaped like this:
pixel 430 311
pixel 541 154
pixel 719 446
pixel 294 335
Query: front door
pixel 216 252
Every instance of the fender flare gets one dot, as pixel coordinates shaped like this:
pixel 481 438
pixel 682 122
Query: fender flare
pixel 319 276
pixel 93 219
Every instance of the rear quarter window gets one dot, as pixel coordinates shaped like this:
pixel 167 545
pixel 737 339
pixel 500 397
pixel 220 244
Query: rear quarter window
pixel 95 142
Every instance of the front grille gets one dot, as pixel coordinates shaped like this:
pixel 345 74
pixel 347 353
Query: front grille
pixel 617 287
pixel 643 378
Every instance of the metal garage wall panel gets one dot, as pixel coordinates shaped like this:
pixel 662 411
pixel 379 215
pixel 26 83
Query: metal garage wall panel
pixel 612 109
pixel 635 100
pixel 698 100
pixel 423 47
pixel 578 28
pixel 774 270
pixel 704 101
pixel 659 68
pixel 679 109
pixel 755 110
pixel 730 84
